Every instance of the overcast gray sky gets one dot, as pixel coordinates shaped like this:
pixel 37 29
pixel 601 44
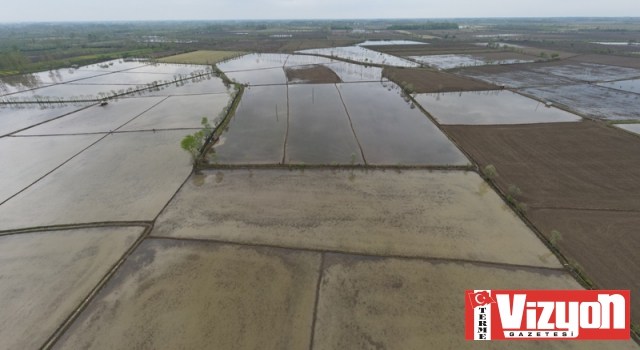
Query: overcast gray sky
pixel 125 10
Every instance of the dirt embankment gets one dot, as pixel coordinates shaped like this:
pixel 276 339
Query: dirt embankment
pixel 427 81
pixel 314 74
pixel 605 244
pixel 567 165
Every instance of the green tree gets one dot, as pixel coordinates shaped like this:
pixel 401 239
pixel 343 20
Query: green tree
pixel 352 158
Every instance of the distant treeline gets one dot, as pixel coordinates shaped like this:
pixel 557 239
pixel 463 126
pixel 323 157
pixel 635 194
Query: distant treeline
pixel 426 26
pixel 339 27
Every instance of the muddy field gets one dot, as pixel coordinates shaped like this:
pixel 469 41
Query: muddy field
pixel 195 295
pixel 426 81
pixel 315 74
pixel 567 165
pixel 412 213
pixel 372 303
pixel 604 243
pixel 46 275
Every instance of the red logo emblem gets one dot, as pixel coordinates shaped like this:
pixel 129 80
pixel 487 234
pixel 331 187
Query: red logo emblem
pixel 548 315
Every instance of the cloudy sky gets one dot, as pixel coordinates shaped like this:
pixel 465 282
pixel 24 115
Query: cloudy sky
pixel 125 10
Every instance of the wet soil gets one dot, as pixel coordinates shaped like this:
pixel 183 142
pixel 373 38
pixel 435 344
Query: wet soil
pixel 425 81
pixel 315 74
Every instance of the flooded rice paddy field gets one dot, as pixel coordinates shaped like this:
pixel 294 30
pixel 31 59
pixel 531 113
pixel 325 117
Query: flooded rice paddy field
pixel 413 213
pixel 591 100
pixel 394 303
pixel 270 76
pixel 362 55
pixel 513 77
pixel 456 61
pixel 25 159
pixel 96 119
pixel 634 128
pixel 126 78
pixel 349 72
pixel 123 177
pixel 624 85
pixel 390 42
pixel 166 68
pixel 253 62
pixel 171 294
pixel 18 83
pixel 180 112
pixel 17 117
pixel 252 258
pixel 587 71
pixel 70 92
pixel 206 84
pixel 319 128
pixel 391 130
pixel 256 132
pixel 114 65
pixel 490 107
pixel 46 275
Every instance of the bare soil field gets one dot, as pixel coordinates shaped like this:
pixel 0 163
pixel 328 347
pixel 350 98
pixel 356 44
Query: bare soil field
pixel 604 243
pixel 202 57
pixel 622 61
pixel 426 81
pixel 567 165
pixel 315 74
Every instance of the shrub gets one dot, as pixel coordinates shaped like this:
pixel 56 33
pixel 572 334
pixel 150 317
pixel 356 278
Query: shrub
pixel 490 172
pixel 514 191
pixel 352 158
pixel 555 237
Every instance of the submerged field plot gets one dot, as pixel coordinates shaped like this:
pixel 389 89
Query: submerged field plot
pixel 319 128
pixel 25 160
pixel 110 237
pixel 392 130
pixel 490 107
pixel 257 130
pixel 15 118
pixel 124 177
pixel 96 119
pixel 513 76
pixel 591 100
